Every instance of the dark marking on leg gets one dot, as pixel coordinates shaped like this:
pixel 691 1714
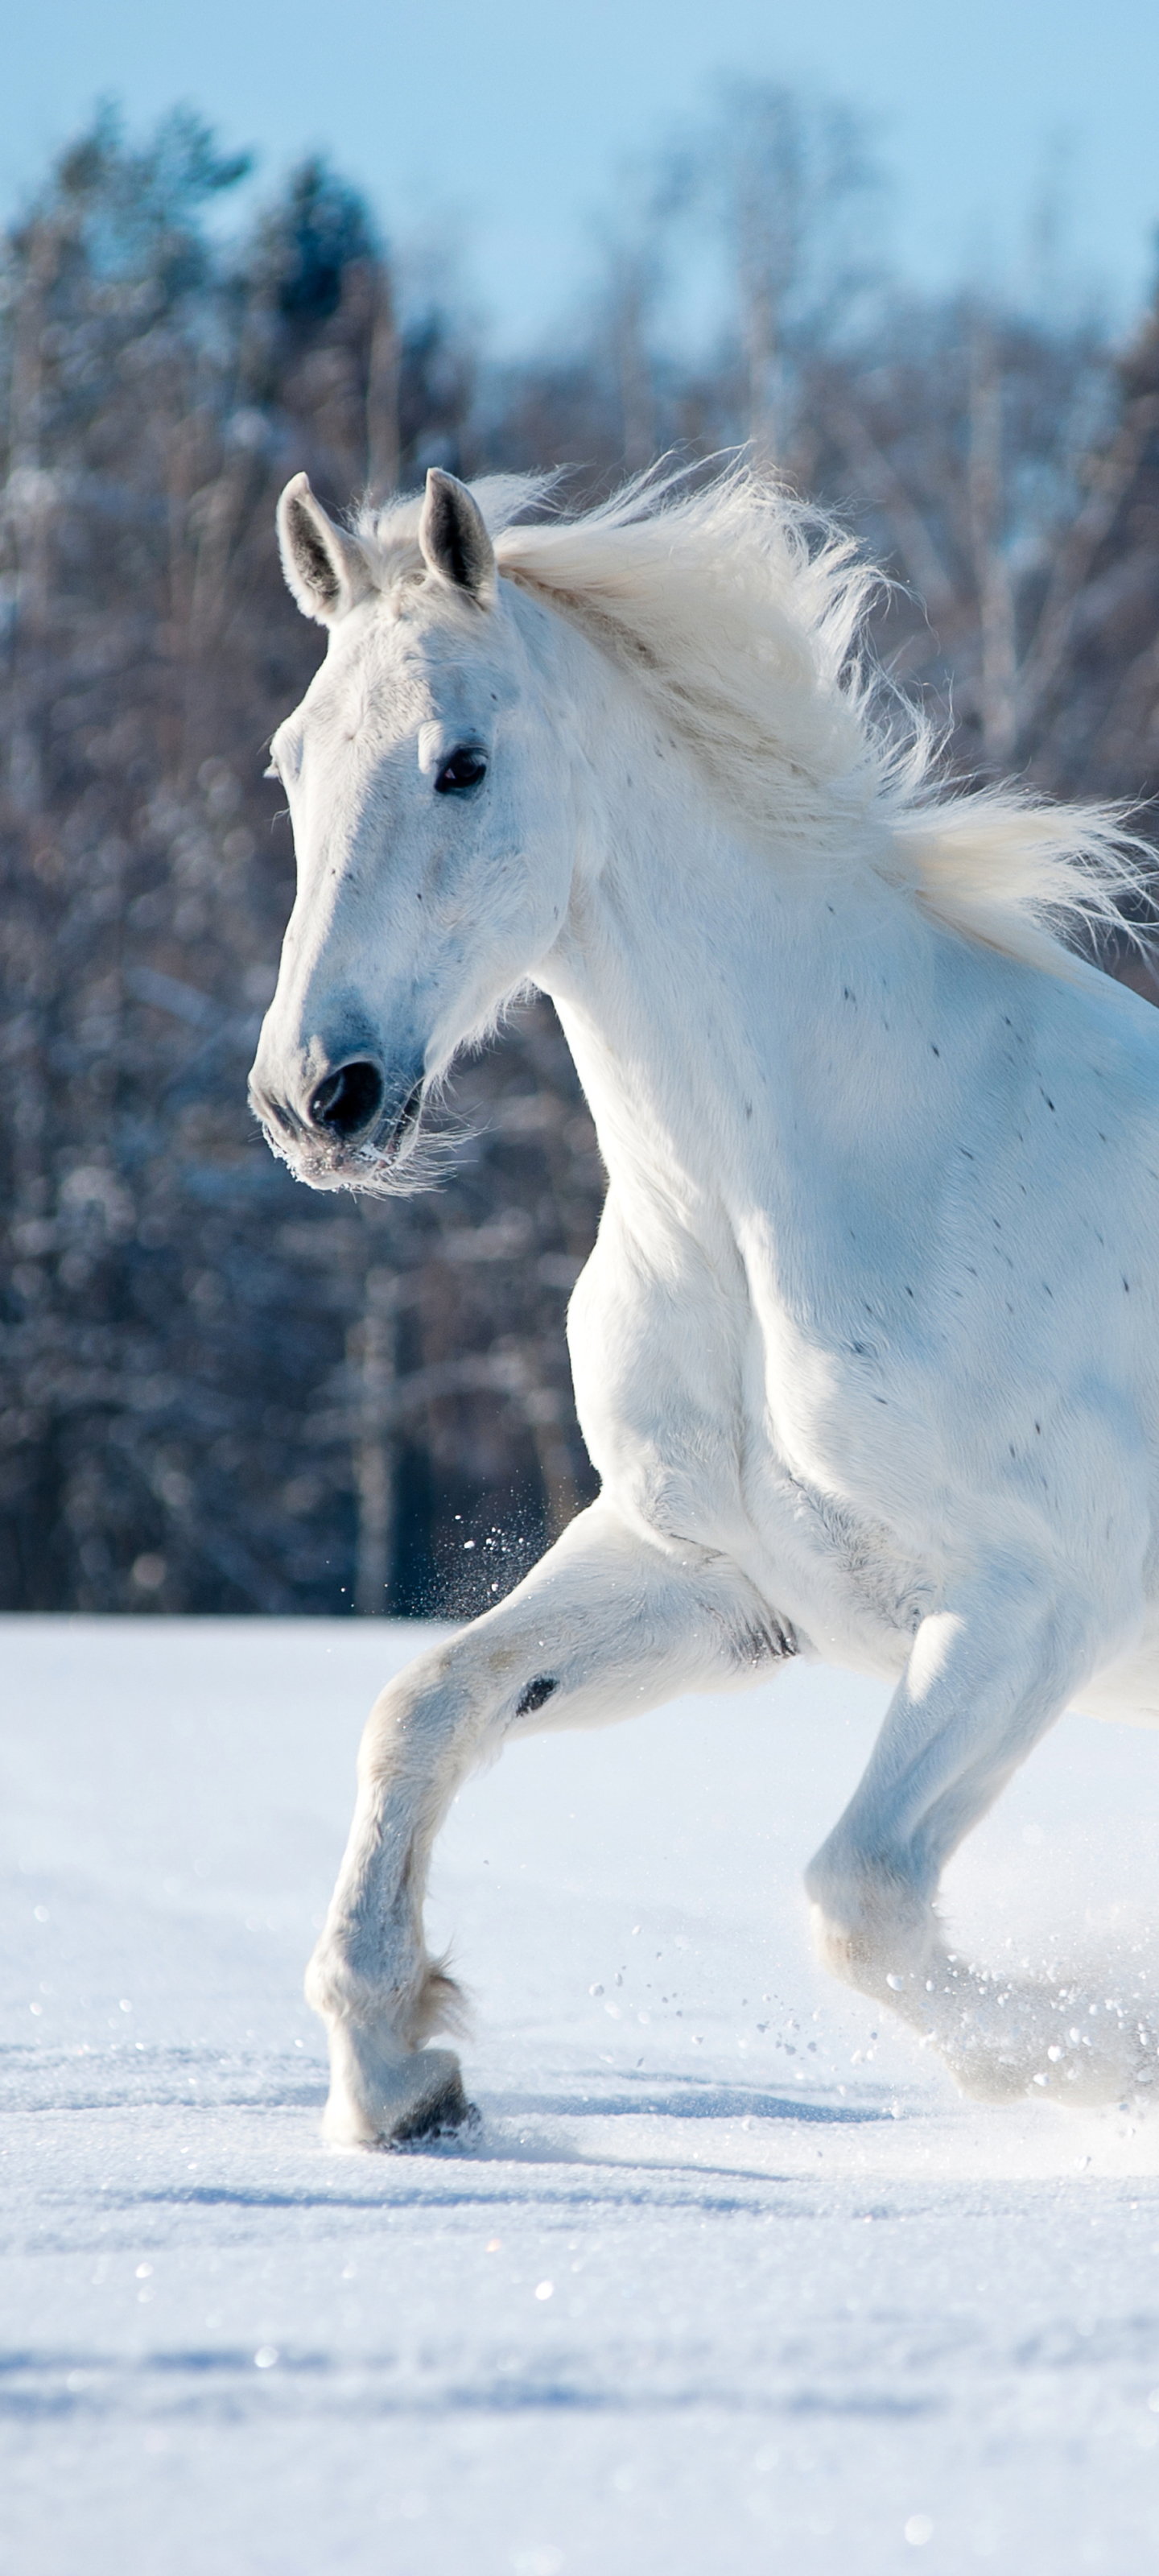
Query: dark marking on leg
pixel 767 1645
pixel 535 1694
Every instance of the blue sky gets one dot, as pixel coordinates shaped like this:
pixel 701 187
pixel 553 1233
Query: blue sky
pixel 503 127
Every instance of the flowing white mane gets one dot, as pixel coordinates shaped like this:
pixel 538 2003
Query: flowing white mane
pixel 741 613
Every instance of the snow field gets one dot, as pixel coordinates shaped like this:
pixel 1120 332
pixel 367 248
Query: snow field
pixel 724 2281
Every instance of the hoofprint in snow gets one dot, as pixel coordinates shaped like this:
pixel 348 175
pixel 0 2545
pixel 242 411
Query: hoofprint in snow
pixel 721 2280
pixel 867 1354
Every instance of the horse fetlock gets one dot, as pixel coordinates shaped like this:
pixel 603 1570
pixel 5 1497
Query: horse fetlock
pixel 414 1996
pixel 383 2094
pixel 340 1990
pixel 881 1949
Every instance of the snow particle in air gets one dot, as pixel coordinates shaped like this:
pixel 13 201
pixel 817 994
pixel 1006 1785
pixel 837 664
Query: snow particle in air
pixel 918 2530
pixel 545 2289
pixel 265 2356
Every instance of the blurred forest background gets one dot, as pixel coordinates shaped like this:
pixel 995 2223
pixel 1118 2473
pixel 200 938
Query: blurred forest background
pixel 217 1391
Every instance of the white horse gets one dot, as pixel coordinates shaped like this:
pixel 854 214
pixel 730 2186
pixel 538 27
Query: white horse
pixel 867 1353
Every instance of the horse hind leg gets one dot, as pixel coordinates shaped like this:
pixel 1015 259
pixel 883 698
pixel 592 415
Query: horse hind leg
pixel 605 1625
pixel 983 1684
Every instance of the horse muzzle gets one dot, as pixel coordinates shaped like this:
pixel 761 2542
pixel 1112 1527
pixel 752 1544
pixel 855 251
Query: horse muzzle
pixel 356 1117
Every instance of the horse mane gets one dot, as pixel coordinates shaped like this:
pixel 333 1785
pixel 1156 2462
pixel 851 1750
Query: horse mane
pixel 741 613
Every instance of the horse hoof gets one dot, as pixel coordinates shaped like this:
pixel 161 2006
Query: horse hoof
pixel 992 2080
pixel 1082 2076
pixel 439 2116
pixel 384 2096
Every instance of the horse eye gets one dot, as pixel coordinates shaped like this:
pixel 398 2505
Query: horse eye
pixel 465 768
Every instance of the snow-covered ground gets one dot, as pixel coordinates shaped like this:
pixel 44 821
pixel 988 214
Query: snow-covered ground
pixel 723 2282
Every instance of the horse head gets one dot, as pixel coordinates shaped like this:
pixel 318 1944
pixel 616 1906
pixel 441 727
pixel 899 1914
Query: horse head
pixel 429 795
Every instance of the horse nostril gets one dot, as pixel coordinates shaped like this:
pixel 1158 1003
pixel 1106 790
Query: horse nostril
pixel 349 1101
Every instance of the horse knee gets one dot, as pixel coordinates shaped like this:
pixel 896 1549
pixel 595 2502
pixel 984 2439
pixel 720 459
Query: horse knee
pixel 415 1727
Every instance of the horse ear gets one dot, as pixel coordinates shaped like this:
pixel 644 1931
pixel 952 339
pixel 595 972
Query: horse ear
pixel 454 539
pixel 325 569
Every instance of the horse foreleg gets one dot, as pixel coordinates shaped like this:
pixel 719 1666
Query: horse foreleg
pixel 607 1624
pixel 983 1683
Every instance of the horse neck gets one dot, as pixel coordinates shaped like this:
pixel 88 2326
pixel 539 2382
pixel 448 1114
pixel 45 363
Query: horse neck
pixel 702 983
